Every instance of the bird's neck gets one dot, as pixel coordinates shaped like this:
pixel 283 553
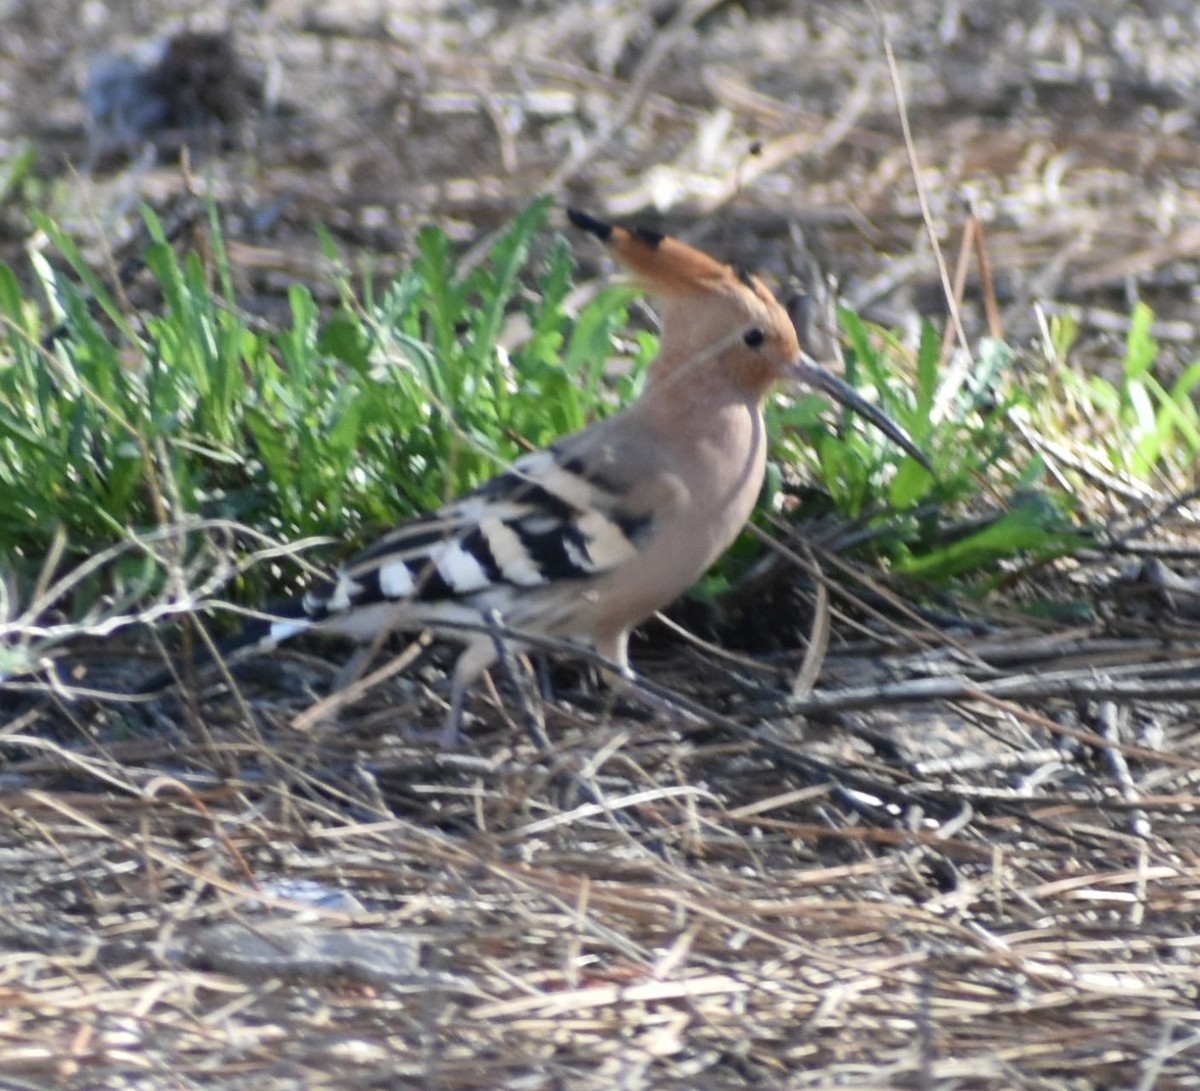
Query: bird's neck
pixel 708 417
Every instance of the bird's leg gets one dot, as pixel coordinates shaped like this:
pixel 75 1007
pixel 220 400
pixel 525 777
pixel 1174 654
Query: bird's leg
pixel 451 733
pixel 534 722
pixel 349 671
pixel 473 660
pixel 626 687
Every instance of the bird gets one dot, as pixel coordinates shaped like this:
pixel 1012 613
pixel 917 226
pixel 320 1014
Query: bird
pixel 587 538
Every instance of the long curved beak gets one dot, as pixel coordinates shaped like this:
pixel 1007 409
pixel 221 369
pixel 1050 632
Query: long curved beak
pixel 809 372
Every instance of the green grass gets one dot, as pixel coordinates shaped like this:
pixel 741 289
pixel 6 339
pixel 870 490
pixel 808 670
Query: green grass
pixel 410 392
pixel 330 426
pixel 1146 430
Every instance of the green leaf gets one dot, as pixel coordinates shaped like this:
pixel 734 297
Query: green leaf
pixel 911 483
pixel 858 334
pixel 1141 350
pixel 928 370
pixel 66 246
pixel 17 169
pixel 1034 526
pixel 12 302
pixel 344 339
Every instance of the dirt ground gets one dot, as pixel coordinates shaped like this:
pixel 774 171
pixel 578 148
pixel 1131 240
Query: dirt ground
pixel 1071 134
pixel 965 860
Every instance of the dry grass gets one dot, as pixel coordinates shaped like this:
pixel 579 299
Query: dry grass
pixel 972 863
pixel 983 875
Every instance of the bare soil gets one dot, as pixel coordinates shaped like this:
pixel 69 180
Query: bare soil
pixel 964 858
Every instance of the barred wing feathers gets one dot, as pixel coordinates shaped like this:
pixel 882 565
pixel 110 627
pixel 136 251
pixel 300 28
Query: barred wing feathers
pixel 552 517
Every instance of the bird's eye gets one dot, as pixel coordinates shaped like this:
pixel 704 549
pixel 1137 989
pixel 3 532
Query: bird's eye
pixel 754 337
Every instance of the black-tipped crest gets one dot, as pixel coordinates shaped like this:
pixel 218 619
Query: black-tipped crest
pixel 590 224
pixel 604 232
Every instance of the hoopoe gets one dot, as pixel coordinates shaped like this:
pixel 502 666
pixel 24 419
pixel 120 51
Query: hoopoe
pixel 589 537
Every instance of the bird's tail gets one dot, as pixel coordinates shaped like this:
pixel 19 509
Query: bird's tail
pixel 260 634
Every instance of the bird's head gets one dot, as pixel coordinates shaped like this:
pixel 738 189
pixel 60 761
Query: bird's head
pixel 711 312
pixel 718 314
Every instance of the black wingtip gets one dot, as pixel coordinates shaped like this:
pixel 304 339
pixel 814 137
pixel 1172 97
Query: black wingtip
pixel 590 224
